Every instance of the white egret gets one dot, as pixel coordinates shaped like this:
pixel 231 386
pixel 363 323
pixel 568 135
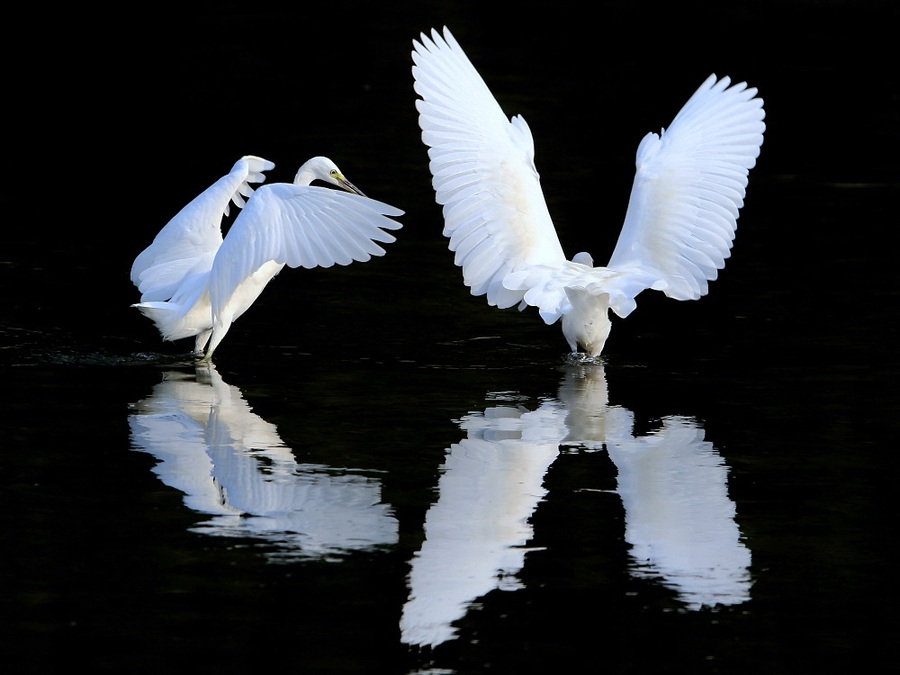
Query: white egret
pixel 194 283
pixel 680 223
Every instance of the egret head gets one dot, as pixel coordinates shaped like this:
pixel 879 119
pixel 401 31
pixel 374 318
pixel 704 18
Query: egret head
pixel 323 169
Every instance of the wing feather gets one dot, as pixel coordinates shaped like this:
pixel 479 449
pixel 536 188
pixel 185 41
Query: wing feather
pixel 483 172
pixel 689 186
pixel 185 248
pixel 299 226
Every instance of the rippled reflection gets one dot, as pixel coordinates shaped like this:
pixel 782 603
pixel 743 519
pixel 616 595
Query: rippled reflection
pixel 476 531
pixel 232 464
pixel 679 520
pixel 673 485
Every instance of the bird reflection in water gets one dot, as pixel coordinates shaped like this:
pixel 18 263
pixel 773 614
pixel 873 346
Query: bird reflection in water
pixel 232 465
pixel 679 521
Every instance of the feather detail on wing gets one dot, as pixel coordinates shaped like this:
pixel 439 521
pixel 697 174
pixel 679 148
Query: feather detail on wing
pixel 483 172
pixel 548 288
pixel 186 246
pixel 299 226
pixel 689 185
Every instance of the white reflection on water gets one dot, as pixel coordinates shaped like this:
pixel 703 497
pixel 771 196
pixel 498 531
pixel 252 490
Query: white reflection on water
pixel 673 485
pixel 678 517
pixel 476 531
pixel 230 463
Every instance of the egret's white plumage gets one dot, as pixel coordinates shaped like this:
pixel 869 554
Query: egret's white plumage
pixel 195 283
pixel 680 224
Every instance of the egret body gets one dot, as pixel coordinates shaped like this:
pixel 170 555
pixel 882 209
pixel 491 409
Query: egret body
pixel 194 283
pixel 679 227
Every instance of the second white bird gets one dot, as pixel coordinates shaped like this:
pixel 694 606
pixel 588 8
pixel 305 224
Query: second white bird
pixel 195 284
pixel 679 227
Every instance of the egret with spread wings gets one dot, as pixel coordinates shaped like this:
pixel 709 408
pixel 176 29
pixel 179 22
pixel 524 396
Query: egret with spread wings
pixel 679 227
pixel 194 283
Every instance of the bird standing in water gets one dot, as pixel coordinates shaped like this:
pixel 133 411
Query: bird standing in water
pixel 194 283
pixel 689 185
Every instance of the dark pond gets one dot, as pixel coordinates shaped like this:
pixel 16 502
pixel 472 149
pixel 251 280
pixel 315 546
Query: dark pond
pixel 382 474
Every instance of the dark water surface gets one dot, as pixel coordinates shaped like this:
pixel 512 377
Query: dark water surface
pixel 382 474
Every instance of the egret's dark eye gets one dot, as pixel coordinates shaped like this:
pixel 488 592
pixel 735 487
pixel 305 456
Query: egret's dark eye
pixel 333 173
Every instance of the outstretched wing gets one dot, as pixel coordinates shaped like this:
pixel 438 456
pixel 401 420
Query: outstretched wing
pixel 186 246
pixel 299 226
pixel 688 188
pixel 483 172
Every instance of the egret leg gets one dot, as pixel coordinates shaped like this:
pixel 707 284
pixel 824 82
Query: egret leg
pixel 218 332
pixel 200 342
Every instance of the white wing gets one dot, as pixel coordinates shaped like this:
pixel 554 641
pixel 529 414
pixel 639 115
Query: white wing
pixel 483 172
pixel 688 187
pixel 186 246
pixel 299 226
